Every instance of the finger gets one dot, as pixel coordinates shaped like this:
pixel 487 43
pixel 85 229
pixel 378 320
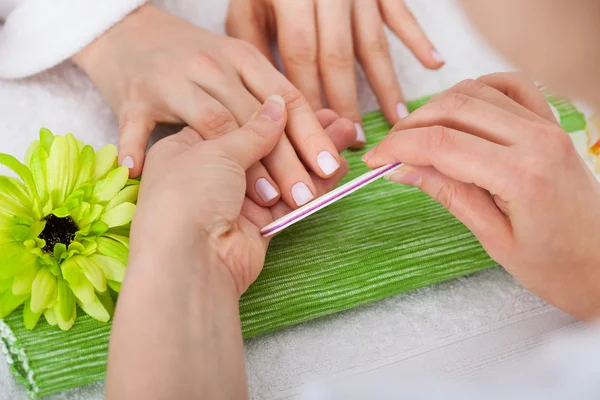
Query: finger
pixel 303 129
pixel 257 138
pixel 403 23
pixel 135 127
pixel 260 187
pixel 201 111
pixel 283 165
pixel 336 61
pixel 373 53
pixel 322 186
pixel 341 132
pixel 297 40
pixel 471 115
pixel 470 204
pixel 456 154
pixel 249 24
pixel 326 117
pixel 521 90
pixel 480 90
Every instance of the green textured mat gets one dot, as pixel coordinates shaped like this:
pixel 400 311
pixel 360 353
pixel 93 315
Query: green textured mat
pixel 383 240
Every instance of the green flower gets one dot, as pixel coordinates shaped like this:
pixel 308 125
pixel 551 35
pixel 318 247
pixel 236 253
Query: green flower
pixel 64 230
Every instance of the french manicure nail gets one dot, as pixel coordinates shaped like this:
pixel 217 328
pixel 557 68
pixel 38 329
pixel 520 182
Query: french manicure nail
pixel 436 56
pixel 301 194
pixel 265 190
pixel 360 133
pixel 127 162
pixel 402 110
pixel 273 108
pixel 327 163
pixel 404 177
pixel 367 155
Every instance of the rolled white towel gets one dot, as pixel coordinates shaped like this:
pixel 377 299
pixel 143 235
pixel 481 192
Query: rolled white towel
pixel 39 34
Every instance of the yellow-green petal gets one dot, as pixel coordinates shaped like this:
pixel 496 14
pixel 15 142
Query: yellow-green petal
pixel 30 151
pixel 106 159
pixel 57 167
pixel 9 302
pixel 50 316
pixel 113 269
pixel 65 301
pixel 13 260
pixel 30 318
pixel 38 171
pixel 112 248
pixel 81 286
pixel 95 309
pixel 65 323
pixel 129 194
pixel 22 171
pixel 72 163
pixel 118 216
pixel 5 284
pixel 93 214
pixel 107 302
pixel 22 283
pixel 116 286
pixel 43 290
pixel 109 187
pixel 46 138
pixel 92 272
pixel 87 163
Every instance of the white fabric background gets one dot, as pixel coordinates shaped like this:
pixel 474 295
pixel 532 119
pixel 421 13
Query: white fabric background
pixel 461 327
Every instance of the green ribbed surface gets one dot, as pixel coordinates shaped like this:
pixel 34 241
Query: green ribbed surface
pixel 383 240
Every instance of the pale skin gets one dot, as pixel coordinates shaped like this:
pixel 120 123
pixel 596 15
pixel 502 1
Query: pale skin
pixel 493 136
pixel 154 67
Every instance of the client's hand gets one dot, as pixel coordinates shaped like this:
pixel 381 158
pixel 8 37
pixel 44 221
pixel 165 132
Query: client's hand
pixel 492 153
pixel 154 67
pixel 197 188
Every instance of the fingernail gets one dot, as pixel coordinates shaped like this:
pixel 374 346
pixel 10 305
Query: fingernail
pixel 127 162
pixel 404 177
pixel 367 155
pixel 327 163
pixel 360 133
pixel 265 190
pixel 301 194
pixel 436 56
pixel 402 110
pixel 273 108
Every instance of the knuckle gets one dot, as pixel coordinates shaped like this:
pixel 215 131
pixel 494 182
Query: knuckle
pixel 302 52
pixel 376 46
pixel 245 54
pixel 441 138
pixel 293 98
pixel 453 102
pixel 339 58
pixel 446 195
pixel 217 122
pixel 470 86
pixel 206 63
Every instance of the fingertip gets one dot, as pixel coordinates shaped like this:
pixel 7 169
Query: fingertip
pixel 434 60
pixel 134 164
pixel 326 117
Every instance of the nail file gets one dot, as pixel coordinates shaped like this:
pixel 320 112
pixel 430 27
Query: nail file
pixel 327 199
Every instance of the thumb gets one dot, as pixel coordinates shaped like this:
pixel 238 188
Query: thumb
pixel 257 137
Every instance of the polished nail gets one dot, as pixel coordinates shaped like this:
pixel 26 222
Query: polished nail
pixel 265 190
pixel 401 110
pixel 301 194
pixel 436 56
pixel 404 177
pixel 127 162
pixel 368 155
pixel 327 163
pixel 360 133
pixel 273 108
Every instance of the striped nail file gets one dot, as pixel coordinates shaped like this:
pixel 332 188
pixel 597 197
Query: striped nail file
pixel 327 199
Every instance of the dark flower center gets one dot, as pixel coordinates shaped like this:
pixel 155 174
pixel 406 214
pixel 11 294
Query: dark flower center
pixel 58 230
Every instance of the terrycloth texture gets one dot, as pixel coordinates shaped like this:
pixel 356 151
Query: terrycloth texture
pixel 464 325
pixel 39 34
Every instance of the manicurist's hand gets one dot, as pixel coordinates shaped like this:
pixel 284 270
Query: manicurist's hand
pixel 319 40
pixel 497 136
pixel 153 67
pixel 195 248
